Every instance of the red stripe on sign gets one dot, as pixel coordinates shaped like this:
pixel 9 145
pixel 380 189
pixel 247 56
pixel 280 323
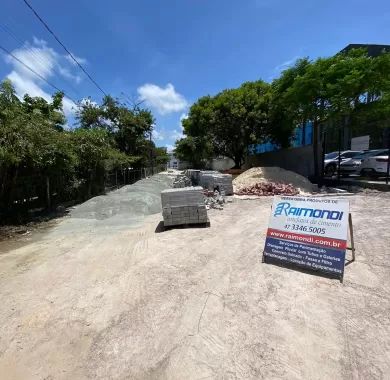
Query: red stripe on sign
pixel 308 239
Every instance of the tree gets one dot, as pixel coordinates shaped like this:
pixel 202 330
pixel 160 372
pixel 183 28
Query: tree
pixel 128 127
pixel 160 155
pixel 197 146
pixel 31 141
pixel 92 147
pixel 39 156
pixel 226 124
pixel 240 119
pixel 284 111
pixel 195 150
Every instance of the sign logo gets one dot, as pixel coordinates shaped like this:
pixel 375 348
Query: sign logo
pixel 285 208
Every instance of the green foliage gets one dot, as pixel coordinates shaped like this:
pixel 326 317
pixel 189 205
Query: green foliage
pixel 29 132
pixel 128 127
pixel 161 156
pixel 194 149
pixel 35 145
pixel 347 87
pixel 226 124
pixel 91 147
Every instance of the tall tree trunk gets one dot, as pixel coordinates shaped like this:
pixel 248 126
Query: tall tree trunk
pixel 237 161
pixel 48 199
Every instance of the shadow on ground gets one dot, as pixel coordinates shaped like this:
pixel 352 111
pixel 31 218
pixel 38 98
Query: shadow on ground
pixel 161 228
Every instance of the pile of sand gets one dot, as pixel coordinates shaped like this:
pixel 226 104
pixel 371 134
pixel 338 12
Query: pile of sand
pixel 273 174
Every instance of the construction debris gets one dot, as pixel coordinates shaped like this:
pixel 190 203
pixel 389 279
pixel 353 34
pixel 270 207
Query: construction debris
pixel 212 180
pixel 270 188
pixel 275 175
pixel 214 199
pixel 183 206
pixel 181 181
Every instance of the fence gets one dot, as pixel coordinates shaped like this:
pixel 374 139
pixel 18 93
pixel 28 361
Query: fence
pixel 117 178
pixel 31 194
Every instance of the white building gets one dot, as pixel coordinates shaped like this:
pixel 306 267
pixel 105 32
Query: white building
pixel 175 163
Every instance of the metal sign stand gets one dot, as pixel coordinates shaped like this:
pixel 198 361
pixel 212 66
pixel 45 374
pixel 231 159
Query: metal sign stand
pixel 352 247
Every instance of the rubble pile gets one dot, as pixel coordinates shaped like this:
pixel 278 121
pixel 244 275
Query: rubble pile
pixel 268 188
pixel 181 181
pixel 213 199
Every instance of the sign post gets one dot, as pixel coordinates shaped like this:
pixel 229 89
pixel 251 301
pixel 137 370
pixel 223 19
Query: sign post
pixel 309 232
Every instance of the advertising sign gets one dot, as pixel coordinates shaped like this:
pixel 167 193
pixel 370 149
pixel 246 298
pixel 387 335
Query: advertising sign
pixel 360 143
pixel 309 232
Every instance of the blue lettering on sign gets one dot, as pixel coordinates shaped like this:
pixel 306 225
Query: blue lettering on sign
pixel 284 208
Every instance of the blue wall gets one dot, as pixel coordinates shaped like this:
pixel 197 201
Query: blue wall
pixel 298 140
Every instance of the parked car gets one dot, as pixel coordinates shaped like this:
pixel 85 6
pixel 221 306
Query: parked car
pixel 352 165
pixel 331 160
pixel 375 166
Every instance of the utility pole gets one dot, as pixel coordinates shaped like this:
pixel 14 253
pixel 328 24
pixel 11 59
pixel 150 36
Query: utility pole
pixel 323 156
pixel 339 158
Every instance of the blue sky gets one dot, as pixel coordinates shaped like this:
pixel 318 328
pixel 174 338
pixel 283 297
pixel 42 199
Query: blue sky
pixel 169 53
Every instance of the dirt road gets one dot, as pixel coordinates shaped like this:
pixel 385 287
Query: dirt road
pixel 129 303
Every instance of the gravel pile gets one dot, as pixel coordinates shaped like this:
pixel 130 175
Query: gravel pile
pixel 275 174
pixel 119 209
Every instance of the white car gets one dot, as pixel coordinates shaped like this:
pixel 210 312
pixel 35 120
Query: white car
pixel 374 166
pixel 352 165
pixel 331 160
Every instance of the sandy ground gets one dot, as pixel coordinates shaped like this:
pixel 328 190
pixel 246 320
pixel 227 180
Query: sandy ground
pixel 130 303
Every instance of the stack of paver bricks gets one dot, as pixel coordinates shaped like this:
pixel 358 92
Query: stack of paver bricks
pixel 217 181
pixel 194 175
pixel 183 206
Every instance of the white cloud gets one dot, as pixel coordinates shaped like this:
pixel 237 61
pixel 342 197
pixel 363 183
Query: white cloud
pixel 158 135
pixel 277 70
pixel 82 61
pixel 170 148
pixel 46 62
pixel 183 116
pixel 164 100
pixel 68 106
pixel 65 72
pixel 39 57
pixel 176 134
pixel 285 65
pixel 24 85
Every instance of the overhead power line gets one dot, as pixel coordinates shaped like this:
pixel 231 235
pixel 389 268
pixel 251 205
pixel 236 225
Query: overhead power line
pixel 33 71
pixel 34 55
pixel 65 48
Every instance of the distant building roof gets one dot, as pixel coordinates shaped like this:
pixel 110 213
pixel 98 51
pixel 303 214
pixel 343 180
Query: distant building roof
pixel 372 49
